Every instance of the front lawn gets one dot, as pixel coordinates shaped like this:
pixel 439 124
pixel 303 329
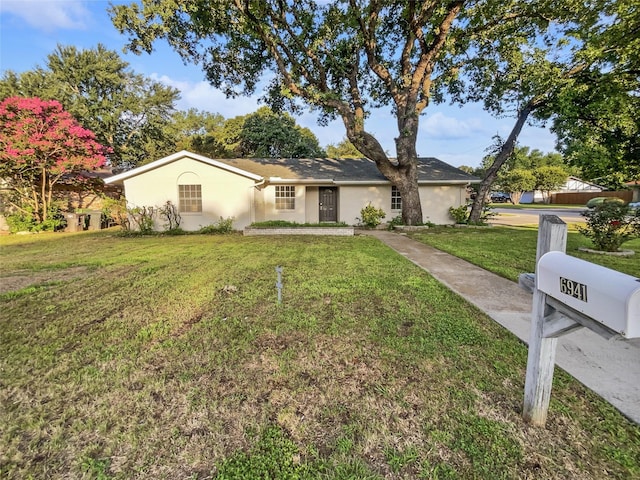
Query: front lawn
pixel 169 357
pixel 510 251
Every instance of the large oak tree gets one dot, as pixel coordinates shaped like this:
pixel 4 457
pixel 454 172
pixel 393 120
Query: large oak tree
pixel 342 58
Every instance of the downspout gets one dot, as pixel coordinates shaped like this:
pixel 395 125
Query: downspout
pixel 253 197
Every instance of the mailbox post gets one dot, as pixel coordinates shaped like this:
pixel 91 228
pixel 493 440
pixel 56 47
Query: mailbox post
pixel 552 236
pixel 568 294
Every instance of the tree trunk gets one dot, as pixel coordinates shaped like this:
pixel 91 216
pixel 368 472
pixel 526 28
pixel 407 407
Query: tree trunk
pixel 406 180
pixel 515 197
pixel 42 207
pixel 403 173
pixel 492 172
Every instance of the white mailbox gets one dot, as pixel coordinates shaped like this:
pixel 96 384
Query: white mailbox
pixel 609 297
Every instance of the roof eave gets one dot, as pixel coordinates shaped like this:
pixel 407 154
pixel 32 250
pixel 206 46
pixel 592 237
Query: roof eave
pixel 121 177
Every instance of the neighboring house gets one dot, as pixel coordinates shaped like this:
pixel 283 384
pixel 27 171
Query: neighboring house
pixel 75 192
pixel 572 185
pixel 85 190
pixel 297 190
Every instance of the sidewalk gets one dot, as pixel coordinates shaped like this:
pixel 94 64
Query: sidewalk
pixel 611 368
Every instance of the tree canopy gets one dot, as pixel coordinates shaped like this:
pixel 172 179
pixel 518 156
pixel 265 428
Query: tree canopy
pixel 40 145
pixel 343 58
pixel 340 58
pixel 265 133
pixel 343 149
pixel 127 112
pixel 598 121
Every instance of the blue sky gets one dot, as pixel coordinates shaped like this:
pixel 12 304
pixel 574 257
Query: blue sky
pixel 31 29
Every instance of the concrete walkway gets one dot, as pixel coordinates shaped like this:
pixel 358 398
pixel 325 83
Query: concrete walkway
pixel 611 368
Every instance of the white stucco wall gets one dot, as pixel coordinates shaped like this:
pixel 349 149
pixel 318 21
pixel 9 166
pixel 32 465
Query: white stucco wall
pixel 269 211
pixel 224 194
pixel 435 201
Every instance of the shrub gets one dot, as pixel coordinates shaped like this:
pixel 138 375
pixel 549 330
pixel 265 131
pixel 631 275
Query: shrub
pixel 170 213
pixel 611 224
pixel 142 217
pixel 115 210
pixel 222 226
pixel 371 216
pixel 26 221
pixel 459 214
pixel 288 224
pixel 395 221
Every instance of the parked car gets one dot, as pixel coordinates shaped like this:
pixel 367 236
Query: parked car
pixel 500 197
pixel 600 200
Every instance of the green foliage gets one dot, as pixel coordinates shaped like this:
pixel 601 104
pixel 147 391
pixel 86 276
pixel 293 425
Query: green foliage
pixel 95 468
pixel 198 132
pixel 288 224
pixel 396 221
pixel 611 224
pixel 343 149
pixel 223 226
pixel 273 456
pixel 115 210
pixel 127 112
pixel 27 221
pixel 515 182
pixel 371 216
pixel 142 218
pixel 459 214
pixel 486 214
pixel 268 134
pixel 597 121
pixel 549 178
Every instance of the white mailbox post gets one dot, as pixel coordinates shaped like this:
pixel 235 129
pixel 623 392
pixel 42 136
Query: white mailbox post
pixel 569 293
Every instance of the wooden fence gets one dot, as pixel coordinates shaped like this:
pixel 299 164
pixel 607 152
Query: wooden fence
pixel 580 198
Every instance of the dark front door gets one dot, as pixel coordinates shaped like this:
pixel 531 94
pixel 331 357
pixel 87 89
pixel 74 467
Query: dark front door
pixel 328 210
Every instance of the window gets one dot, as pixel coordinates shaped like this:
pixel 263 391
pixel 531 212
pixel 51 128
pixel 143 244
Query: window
pixel 190 198
pixel 285 197
pixel 396 199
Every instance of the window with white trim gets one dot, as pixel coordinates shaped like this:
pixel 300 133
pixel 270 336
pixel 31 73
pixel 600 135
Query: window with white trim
pixel 285 197
pixel 396 199
pixel 190 198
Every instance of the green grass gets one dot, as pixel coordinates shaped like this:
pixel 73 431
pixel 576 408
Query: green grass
pixel 509 251
pixel 169 357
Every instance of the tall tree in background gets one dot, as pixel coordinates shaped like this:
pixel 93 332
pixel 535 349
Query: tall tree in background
pixel 343 149
pixel 598 121
pixel 521 76
pixel 199 132
pixel 268 134
pixel 533 81
pixel 127 112
pixel 40 144
pixel 342 58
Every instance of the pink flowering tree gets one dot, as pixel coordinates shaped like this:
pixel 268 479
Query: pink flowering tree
pixel 40 145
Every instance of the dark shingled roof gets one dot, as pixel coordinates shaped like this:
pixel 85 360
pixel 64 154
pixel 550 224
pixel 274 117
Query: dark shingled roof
pixel 342 170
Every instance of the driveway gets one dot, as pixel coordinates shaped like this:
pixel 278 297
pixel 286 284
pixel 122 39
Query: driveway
pixel 509 216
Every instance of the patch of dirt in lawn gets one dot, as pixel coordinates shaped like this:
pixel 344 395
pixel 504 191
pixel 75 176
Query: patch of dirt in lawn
pixel 25 278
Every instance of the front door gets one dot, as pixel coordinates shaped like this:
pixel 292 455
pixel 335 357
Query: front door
pixel 328 210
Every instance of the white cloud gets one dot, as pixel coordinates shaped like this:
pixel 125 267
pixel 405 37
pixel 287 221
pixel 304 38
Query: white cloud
pixel 49 15
pixel 441 126
pixel 203 96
